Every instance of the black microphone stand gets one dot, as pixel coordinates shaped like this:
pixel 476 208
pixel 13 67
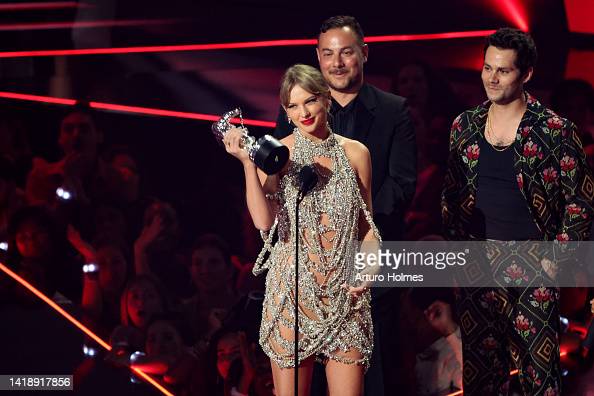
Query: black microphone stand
pixel 308 180
pixel 296 314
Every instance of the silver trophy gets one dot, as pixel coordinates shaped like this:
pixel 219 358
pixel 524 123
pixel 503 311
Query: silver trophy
pixel 267 153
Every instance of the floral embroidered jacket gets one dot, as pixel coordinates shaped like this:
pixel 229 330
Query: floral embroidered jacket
pixel 550 166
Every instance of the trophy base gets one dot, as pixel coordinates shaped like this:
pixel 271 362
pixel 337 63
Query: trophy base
pixel 271 155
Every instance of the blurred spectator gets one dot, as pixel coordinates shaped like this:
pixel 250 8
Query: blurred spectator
pixel 439 365
pixel 213 276
pixel 123 188
pixel 123 181
pixel 37 250
pixel 142 299
pixel 157 251
pixel 110 226
pixel 168 356
pixel 101 290
pixel 432 105
pixel 79 170
pixel 14 145
pixel 242 367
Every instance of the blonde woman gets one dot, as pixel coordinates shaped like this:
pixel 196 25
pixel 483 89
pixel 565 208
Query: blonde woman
pixel 334 319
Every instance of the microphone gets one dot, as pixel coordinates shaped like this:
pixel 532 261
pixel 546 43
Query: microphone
pixel 308 178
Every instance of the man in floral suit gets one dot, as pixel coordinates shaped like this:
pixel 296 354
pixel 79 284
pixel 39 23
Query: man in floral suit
pixel 516 172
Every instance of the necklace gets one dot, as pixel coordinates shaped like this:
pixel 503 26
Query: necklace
pixel 306 149
pixel 489 134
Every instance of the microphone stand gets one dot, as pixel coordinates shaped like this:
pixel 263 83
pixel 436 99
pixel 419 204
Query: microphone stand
pixel 308 180
pixel 296 313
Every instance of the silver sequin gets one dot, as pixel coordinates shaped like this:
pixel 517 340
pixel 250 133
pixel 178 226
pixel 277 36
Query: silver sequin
pixel 331 321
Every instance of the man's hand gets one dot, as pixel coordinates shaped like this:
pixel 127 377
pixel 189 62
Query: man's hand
pixel 552 269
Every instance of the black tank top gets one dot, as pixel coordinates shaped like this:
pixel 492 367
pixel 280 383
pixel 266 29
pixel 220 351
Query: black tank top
pixel 501 211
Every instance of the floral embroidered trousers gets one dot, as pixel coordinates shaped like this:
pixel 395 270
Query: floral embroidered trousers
pixel 514 326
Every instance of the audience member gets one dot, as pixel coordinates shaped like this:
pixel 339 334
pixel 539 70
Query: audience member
pixel 142 298
pixel 37 250
pixel 168 356
pixel 213 276
pixel 101 289
pixel 157 251
pixel 432 105
pixel 79 171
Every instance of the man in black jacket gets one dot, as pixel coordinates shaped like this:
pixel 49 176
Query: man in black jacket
pixel 381 121
pixel 365 113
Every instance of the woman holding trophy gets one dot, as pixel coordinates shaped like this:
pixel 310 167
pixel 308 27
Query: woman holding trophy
pixel 334 320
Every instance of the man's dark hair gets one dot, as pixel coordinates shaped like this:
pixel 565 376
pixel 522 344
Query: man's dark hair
pixel 340 21
pixel 521 42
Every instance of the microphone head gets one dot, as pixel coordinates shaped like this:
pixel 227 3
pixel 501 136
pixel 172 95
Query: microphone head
pixel 308 178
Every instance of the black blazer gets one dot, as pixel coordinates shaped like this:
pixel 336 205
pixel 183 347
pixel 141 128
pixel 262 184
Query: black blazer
pixel 383 124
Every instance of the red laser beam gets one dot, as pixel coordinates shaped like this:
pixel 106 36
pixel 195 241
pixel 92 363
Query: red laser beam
pixel 82 24
pixel 47 5
pixel 132 109
pixel 461 392
pixel 38 98
pixel 238 45
pixel 78 324
pixel 55 306
pixel 428 36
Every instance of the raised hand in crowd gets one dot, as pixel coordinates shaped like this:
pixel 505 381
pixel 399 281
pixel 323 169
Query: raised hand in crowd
pixel 149 234
pixel 248 363
pixel 81 246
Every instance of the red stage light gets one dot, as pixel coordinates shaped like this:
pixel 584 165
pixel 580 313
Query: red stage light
pixel 75 322
pixel 513 11
pixel 576 66
pixel 37 98
pixel 82 24
pixel 47 5
pixel 428 36
pixel 238 45
pixel 579 15
pixel 461 392
pixel 133 109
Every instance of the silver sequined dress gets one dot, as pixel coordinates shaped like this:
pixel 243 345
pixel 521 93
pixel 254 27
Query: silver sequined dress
pixel 331 322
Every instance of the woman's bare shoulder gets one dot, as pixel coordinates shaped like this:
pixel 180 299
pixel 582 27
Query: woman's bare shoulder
pixel 288 141
pixel 354 149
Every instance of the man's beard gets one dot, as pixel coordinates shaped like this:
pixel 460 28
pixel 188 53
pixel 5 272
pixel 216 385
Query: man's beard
pixel 347 84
